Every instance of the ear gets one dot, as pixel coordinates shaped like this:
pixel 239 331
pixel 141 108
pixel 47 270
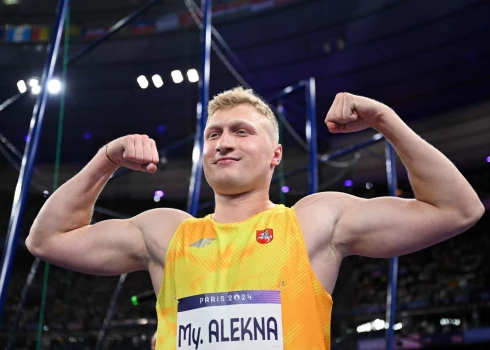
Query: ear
pixel 277 155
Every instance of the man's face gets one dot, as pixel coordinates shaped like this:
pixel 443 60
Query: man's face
pixel 239 154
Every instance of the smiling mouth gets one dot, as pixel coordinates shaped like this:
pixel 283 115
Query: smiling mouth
pixel 226 161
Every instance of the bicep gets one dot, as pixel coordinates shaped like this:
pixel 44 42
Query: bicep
pixel 388 226
pixel 109 247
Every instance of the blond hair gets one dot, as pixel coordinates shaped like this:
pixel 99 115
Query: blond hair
pixel 238 96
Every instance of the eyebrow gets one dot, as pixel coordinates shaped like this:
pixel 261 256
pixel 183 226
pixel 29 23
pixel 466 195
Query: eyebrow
pixel 235 123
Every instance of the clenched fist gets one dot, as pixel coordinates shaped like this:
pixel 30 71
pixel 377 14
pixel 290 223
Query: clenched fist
pixel 351 113
pixel 136 152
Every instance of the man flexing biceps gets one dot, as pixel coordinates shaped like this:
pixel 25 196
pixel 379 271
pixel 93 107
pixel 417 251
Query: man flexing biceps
pixel 209 273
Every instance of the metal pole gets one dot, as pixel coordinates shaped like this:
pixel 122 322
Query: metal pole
pixel 112 30
pixel 290 89
pixel 202 113
pixel 10 101
pixel 110 312
pixel 392 282
pixel 34 182
pixel 282 196
pixel 20 305
pixel 193 7
pixel 350 149
pixel 85 50
pixel 311 136
pixel 29 157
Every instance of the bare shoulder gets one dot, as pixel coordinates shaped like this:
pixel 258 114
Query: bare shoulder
pixel 319 213
pixel 160 219
pixel 323 203
pixel 158 227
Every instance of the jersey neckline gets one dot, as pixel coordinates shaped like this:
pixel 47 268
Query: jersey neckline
pixel 210 218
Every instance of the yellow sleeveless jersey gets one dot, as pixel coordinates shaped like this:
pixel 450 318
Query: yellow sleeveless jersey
pixel 246 285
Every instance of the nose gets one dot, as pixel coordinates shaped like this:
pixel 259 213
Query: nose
pixel 225 143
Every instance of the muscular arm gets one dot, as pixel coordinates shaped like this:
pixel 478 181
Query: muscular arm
pixel 62 234
pixel 444 205
pixel 110 247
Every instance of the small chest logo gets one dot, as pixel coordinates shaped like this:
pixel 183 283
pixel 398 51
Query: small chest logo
pixel 202 242
pixel 264 236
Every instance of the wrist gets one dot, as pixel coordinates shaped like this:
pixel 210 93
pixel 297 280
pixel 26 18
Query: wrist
pixel 108 159
pixel 392 126
pixel 384 119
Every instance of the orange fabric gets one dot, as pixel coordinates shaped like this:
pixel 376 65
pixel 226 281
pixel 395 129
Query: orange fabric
pixel 207 257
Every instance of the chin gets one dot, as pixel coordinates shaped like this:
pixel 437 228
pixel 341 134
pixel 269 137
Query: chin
pixel 228 192
pixel 228 186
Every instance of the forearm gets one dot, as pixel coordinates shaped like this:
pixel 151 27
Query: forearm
pixel 435 180
pixel 71 206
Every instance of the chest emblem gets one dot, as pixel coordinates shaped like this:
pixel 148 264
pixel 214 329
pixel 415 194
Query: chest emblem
pixel 202 242
pixel 264 236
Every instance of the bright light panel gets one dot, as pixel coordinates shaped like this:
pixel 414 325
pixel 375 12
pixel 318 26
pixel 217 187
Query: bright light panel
pixel 142 82
pixel 377 325
pixel 177 76
pixel 157 81
pixel 21 85
pixel 33 82
pixel 192 75
pixel 397 326
pixel 36 89
pixel 54 86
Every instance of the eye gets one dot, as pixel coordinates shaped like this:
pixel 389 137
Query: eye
pixel 213 135
pixel 242 131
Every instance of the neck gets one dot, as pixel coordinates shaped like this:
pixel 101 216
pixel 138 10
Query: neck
pixel 240 207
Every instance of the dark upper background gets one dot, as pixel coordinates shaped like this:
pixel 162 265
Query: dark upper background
pixel 427 60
